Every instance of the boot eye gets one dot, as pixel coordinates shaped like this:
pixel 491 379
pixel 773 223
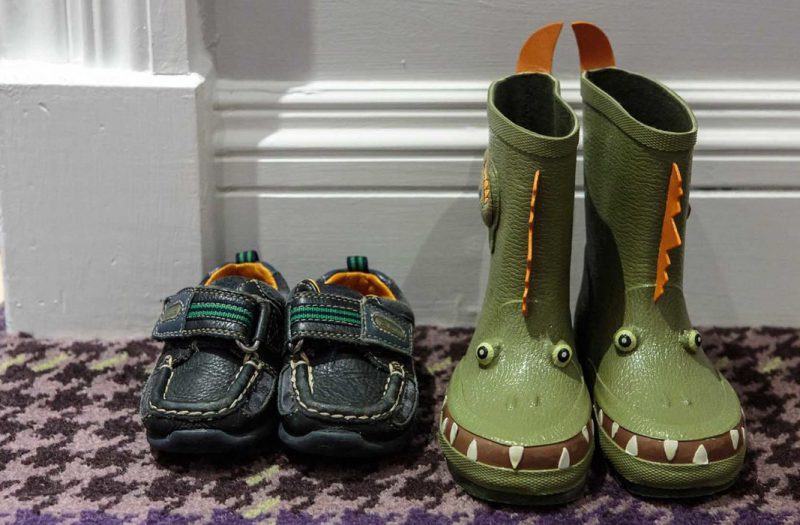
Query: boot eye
pixel 562 354
pixel 691 340
pixel 485 354
pixel 625 340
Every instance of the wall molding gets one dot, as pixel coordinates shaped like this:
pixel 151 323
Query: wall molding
pixel 149 35
pixel 387 134
pixel 105 132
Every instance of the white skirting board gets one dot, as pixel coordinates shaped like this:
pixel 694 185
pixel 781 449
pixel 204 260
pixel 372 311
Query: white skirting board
pixel 432 134
pixel 311 173
pixel 111 184
pixel 741 247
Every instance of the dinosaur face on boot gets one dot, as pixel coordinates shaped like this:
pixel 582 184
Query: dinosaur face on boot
pixel 654 345
pixel 511 382
pixel 514 401
pixel 487 351
pixel 626 340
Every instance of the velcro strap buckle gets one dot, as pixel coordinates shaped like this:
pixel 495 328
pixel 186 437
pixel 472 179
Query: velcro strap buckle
pixel 362 322
pixel 214 312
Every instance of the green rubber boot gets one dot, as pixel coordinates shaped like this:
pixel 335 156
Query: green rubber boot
pixel 668 421
pixel 516 423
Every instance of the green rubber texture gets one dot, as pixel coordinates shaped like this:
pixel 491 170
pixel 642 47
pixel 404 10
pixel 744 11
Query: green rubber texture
pixel 663 480
pixel 516 487
pixel 635 130
pixel 522 396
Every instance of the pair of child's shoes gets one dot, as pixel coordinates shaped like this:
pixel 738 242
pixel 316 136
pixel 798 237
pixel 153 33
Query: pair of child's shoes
pixel 516 425
pixel 329 363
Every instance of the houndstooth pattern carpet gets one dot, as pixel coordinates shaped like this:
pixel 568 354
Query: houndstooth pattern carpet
pixel 72 450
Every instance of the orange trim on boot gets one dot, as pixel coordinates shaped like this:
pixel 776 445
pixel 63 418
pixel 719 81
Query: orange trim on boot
pixel 536 55
pixel 529 258
pixel 593 46
pixel 670 236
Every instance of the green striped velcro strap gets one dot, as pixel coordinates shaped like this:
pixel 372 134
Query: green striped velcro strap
pixel 332 314
pixel 324 316
pixel 218 312
pixel 247 257
pixel 357 263
pixel 365 322
pixel 228 312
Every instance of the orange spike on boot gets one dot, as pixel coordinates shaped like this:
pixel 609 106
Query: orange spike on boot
pixel 670 237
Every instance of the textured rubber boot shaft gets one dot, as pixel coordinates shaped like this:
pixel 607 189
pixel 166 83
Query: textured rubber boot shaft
pixel 521 396
pixel 655 381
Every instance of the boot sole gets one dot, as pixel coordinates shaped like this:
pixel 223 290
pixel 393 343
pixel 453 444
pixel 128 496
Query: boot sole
pixel 662 480
pixel 343 443
pixel 209 441
pixel 517 487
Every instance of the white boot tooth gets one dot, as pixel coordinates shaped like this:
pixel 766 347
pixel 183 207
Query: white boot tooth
pixel 444 425
pixel 614 429
pixel 591 424
pixel 515 455
pixel 744 440
pixel 670 448
pixel 632 447
pixel 585 432
pixel 700 456
pixel 453 432
pixel 563 462
pixel 472 451
pixel 735 438
pixel 600 417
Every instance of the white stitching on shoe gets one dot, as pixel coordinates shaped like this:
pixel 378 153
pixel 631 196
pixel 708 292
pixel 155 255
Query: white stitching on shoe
pixel 214 412
pixel 391 409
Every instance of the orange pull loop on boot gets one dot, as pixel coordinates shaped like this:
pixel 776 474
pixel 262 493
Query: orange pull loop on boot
pixel 593 46
pixel 536 55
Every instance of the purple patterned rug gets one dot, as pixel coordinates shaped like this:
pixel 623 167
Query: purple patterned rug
pixel 72 450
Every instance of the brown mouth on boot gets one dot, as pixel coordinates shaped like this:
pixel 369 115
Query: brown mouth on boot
pixel 697 451
pixel 560 455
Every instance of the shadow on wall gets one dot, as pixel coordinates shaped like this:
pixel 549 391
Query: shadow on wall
pixel 456 232
pixel 703 273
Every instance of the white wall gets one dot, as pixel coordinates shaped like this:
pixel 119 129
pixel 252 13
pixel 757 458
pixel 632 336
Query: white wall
pixel 312 130
pixel 305 40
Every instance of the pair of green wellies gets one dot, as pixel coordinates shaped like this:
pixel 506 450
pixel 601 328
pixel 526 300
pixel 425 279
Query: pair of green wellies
pixel 517 423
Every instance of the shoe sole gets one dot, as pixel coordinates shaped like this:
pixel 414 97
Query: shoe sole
pixel 517 487
pixel 209 441
pixel 342 443
pixel 663 480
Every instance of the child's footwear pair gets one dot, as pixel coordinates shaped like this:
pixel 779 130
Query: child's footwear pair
pixel 516 423
pixel 342 343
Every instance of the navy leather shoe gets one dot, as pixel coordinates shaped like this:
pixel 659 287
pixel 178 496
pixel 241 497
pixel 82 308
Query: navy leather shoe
pixel 348 386
pixel 214 386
